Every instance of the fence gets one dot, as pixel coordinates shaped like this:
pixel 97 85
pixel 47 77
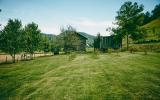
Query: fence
pixel 5 58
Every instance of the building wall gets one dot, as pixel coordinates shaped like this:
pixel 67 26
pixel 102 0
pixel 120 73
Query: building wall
pixel 105 42
pixel 80 47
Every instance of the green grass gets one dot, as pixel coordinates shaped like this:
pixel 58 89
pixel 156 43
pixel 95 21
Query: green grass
pixel 152 29
pixel 153 24
pixel 127 76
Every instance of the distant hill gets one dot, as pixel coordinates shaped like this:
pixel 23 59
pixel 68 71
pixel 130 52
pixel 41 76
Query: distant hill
pixel 90 38
pixel 49 36
pixel 153 24
pixel 153 29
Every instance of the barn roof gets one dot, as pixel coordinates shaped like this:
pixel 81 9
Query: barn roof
pixel 79 33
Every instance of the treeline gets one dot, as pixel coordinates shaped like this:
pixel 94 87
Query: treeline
pixel 16 39
pixel 150 16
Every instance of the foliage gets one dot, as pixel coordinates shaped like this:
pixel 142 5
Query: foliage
pixel 46 45
pixel 143 41
pixel 150 16
pixel 33 38
pixel 154 47
pixel 147 17
pixel 156 12
pixel 140 34
pixel 97 41
pixel 11 38
pixel 129 18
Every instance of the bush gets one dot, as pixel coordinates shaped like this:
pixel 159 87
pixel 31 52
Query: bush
pixel 147 41
pixel 145 48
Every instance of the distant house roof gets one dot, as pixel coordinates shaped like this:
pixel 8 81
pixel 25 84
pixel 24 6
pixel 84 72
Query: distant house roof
pixel 82 35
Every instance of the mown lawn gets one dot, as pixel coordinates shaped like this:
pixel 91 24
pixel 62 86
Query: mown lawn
pixel 86 77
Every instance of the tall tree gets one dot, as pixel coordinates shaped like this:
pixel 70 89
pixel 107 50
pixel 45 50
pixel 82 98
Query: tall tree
pixel 33 38
pixel 156 12
pixel 129 18
pixel 10 38
pixel 147 18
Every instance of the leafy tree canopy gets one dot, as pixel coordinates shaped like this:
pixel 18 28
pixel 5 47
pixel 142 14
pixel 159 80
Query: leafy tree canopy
pixel 10 38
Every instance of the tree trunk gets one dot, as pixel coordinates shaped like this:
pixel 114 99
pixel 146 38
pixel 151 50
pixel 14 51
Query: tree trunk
pixel 127 42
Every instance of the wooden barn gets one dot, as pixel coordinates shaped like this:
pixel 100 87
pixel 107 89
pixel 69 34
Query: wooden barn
pixel 80 44
pixel 104 42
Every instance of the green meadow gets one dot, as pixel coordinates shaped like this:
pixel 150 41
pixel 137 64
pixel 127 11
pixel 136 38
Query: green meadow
pixel 122 76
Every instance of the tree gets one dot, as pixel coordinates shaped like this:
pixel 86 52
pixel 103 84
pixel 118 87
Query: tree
pixel 10 38
pixel 147 18
pixel 97 41
pixel 46 44
pixel 156 12
pixel 33 38
pixel 129 18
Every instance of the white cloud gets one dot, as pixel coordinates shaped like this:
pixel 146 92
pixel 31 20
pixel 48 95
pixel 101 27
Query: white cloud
pixel 91 27
pixel 50 29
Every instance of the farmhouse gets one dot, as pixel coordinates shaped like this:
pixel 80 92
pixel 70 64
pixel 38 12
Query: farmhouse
pixel 78 44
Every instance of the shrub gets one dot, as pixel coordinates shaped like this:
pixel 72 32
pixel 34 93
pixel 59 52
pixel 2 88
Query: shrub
pixel 147 41
pixel 144 48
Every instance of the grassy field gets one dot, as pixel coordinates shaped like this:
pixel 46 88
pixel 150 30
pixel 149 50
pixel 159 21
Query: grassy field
pixel 83 77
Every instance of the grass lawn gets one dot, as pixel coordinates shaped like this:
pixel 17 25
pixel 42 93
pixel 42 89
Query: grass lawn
pixel 86 77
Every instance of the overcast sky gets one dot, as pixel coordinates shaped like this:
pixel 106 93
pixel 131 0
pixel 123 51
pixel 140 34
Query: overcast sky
pixel 90 16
